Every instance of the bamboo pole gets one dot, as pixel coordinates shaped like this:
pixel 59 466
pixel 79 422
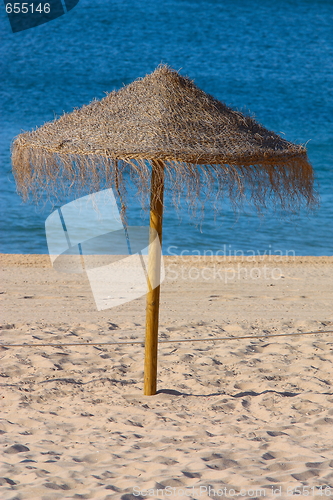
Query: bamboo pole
pixel 154 271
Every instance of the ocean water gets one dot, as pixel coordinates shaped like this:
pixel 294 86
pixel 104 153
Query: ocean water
pixel 271 59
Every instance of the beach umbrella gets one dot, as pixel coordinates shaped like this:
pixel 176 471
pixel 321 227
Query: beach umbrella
pixel 164 130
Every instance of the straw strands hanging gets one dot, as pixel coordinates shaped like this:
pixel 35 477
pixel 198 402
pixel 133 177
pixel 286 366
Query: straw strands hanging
pixel 204 144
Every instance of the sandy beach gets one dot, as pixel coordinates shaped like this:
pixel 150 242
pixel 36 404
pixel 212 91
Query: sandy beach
pixel 245 418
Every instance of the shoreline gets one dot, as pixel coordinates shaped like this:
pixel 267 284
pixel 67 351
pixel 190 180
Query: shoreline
pixel 43 260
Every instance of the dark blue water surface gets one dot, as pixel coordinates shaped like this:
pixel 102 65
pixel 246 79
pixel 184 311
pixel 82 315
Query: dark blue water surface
pixel 273 59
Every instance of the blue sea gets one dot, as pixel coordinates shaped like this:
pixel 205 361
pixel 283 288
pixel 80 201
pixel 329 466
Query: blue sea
pixel 273 60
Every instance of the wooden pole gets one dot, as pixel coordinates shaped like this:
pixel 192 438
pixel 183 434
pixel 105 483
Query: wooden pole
pixel 154 271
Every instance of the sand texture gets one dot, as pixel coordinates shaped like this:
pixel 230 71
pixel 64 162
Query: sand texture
pixel 246 418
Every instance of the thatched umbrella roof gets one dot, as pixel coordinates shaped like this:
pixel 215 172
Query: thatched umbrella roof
pixel 163 116
pixel 162 125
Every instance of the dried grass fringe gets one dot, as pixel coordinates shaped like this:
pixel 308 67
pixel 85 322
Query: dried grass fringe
pixel 209 150
pixel 43 175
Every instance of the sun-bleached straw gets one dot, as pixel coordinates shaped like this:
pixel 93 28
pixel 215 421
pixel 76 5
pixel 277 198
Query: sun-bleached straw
pixel 166 130
pixel 165 117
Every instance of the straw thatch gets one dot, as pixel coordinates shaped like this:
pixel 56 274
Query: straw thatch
pixel 163 116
